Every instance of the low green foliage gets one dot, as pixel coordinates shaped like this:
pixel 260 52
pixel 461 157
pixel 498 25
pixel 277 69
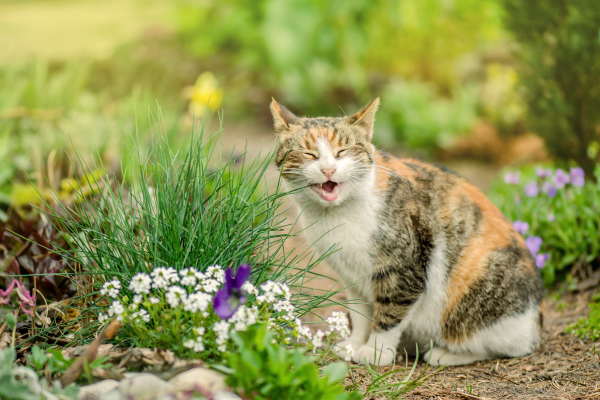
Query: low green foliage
pixel 588 327
pixel 265 370
pixel 566 219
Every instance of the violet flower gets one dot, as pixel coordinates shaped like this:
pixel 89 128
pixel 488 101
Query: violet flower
pixel 543 173
pixel 531 189
pixel 512 178
pixel 561 178
pixel 540 259
pixel 521 226
pixel 577 177
pixel 534 243
pixel 549 189
pixel 229 298
pixel 551 217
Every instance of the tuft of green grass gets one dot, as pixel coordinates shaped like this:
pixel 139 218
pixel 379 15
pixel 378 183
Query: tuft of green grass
pixel 588 327
pixel 193 208
pixel 394 383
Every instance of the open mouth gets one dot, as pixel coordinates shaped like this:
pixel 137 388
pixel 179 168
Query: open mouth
pixel 328 191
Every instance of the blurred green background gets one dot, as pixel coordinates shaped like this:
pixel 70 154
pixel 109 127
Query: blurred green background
pixel 477 84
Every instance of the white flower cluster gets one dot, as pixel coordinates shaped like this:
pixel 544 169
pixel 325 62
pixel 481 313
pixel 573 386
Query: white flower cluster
pixel 338 322
pixel 111 288
pixel 192 292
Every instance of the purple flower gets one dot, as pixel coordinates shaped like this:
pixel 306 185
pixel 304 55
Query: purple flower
pixel 549 189
pixel 521 226
pixel 540 259
pixel 531 189
pixel 228 299
pixel 577 177
pixel 551 217
pixel 512 178
pixel 561 178
pixel 534 243
pixel 26 299
pixel 543 173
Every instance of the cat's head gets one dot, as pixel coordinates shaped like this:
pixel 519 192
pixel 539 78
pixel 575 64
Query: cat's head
pixel 330 158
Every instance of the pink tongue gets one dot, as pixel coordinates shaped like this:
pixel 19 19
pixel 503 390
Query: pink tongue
pixel 328 186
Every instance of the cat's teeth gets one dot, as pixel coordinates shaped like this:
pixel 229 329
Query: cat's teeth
pixel 320 185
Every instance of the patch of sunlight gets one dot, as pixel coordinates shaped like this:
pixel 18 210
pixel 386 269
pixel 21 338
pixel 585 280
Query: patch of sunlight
pixel 66 29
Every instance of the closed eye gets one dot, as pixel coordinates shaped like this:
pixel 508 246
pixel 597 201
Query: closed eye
pixel 340 153
pixel 314 156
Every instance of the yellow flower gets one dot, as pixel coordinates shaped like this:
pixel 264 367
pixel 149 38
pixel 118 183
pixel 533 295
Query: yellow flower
pixel 206 91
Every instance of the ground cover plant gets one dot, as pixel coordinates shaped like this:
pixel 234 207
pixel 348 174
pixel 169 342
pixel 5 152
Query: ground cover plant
pixel 558 213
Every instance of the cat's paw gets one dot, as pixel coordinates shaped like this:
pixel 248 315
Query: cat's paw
pixel 346 349
pixel 438 356
pixel 367 353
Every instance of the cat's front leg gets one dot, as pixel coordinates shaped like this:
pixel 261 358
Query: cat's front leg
pixel 361 314
pixel 382 346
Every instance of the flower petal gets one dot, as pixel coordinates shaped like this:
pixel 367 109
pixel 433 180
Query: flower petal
pixel 243 273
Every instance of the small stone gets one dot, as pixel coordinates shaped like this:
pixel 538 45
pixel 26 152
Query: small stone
pixel 95 391
pixel 143 386
pixel 203 380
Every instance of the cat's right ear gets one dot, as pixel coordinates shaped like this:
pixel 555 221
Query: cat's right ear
pixel 282 117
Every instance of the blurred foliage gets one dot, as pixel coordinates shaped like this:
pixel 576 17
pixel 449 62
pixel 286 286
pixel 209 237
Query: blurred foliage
pixel 317 56
pixel 46 111
pixel 560 75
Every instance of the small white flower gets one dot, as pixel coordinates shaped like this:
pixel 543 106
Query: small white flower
pixel 188 277
pixel 137 299
pixel 143 314
pixel 102 317
pixel 116 308
pixel 211 285
pixel 154 300
pixel 318 339
pixel 160 278
pixel 216 272
pixel 249 288
pixel 197 302
pixel 222 348
pixel 200 330
pixel 338 322
pixel 141 283
pixel 175 295
pixel 189 344
pixel 349 352
pixel 111 288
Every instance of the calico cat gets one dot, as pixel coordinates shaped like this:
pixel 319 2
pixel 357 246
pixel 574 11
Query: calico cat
pixel 431 259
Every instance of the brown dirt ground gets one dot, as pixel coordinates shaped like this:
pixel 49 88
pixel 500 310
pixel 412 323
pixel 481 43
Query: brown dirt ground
pixel 564 368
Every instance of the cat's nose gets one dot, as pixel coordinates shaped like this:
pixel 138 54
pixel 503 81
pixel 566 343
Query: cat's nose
pixel 328 172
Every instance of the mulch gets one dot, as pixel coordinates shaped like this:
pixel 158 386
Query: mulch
pixel 564 368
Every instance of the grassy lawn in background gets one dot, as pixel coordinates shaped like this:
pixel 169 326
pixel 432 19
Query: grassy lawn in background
pixel 61 30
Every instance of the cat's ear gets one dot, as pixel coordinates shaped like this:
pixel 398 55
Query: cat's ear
pixel 365 118
pixel 282 117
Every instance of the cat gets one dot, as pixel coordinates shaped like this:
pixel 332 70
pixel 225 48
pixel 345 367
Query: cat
pixel 430 258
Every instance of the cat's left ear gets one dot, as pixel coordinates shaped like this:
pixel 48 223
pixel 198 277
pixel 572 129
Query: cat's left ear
pixel 365 118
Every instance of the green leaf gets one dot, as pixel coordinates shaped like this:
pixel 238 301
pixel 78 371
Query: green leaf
pixel 335 372
pixel 38 358
pixel 10 320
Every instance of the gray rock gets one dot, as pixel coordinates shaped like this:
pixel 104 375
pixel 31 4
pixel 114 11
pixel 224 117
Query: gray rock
pixel 203 380
pixel 143 386
pixel 95 391
pixel 114 394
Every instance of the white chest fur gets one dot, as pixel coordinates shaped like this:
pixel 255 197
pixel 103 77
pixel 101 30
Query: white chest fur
pixel 347 228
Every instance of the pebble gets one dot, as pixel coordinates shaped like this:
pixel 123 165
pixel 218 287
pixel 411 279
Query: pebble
pixel 95 391
pixel 143 386
pixel 203 380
